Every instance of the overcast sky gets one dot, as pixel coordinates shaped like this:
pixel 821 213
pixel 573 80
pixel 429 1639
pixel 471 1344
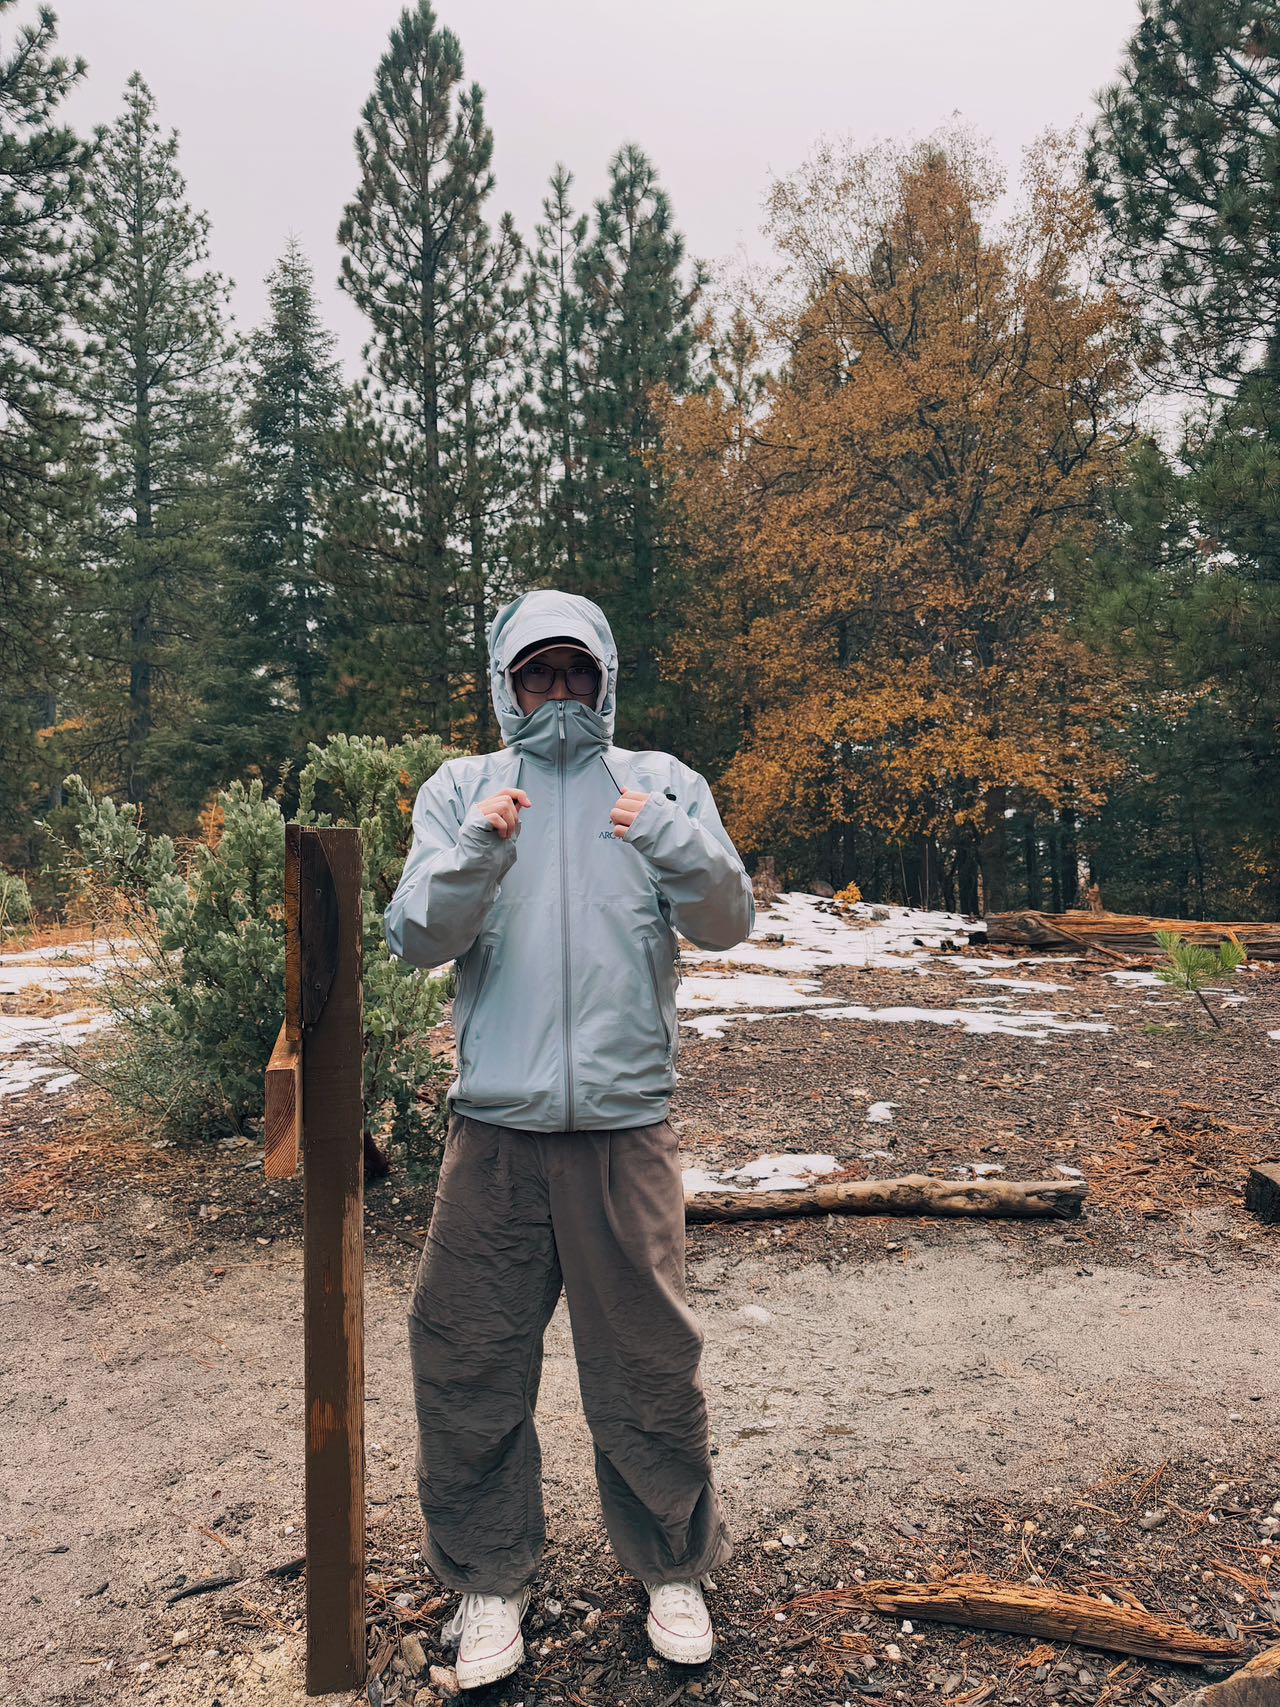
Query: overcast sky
pixel 722 94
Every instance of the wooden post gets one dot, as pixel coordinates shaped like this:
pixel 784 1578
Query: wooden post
pixel 315 1092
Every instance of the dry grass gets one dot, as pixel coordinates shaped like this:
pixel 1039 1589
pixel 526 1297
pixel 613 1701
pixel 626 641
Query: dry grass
pixel 89 1144
pixel 1165 1165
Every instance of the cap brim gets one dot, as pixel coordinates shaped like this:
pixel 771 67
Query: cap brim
pixel 523 636
pixel 541 646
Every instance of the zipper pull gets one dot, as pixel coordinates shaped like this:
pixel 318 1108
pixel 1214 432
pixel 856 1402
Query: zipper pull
pixel 560 716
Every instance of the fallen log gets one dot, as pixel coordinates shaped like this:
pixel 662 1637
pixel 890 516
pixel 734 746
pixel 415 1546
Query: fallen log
pixel 1254 1685
pixel 911 1194
pixel 1126 933
pixel 1050 1614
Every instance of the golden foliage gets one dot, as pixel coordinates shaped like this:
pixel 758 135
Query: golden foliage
pixel 885 548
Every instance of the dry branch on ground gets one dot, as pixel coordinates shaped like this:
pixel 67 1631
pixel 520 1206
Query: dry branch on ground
pixel 912 1194
pixel 1051 1614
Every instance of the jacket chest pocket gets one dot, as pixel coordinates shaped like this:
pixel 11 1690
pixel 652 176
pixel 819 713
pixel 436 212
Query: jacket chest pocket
pixel 473 999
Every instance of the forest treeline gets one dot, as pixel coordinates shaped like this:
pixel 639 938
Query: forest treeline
pixel 888 536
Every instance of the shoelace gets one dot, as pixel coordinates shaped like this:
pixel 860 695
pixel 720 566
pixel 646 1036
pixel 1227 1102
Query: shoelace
pixel 481 1613
pixel 682 1600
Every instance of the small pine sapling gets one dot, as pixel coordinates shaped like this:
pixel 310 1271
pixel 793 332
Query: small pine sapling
pixel 1191 966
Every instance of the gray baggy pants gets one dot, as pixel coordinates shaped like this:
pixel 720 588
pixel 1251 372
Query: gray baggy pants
pixel 516 1215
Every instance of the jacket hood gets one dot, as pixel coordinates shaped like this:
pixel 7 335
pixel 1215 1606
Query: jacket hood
pixel 544 614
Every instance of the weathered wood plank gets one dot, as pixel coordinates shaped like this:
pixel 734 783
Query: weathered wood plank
pixel 292 944
pixel 282 1120
pixel 331 943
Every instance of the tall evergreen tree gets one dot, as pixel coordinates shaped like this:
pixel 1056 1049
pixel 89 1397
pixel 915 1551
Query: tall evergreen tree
pixel 422 266
pixel 46 261
pixel 638 345
pixel 489 470
pixel 273 668
pixel 159 387
pixel 552 411
pixel 1188 588
pixel 1185 161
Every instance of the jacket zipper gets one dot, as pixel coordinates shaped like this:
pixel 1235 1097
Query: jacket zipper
pixel 485 958
pixel 657 995
pixel 564 938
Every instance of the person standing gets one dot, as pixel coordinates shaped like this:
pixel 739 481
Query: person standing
pixel 557 872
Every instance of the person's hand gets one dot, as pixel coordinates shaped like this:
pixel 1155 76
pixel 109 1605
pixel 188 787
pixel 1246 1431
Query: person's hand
pixel 502 810
pixel 626 810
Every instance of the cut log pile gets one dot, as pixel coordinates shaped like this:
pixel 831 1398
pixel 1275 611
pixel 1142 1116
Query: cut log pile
pixel 1121 934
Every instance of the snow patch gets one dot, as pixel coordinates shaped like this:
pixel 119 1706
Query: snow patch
pixel 61 964
pixel 881 1112
pixel 1028 984
pixel 766 1173
pixel 748 990
pixel 27 1040
pixel 816 935
pixel 1034 1025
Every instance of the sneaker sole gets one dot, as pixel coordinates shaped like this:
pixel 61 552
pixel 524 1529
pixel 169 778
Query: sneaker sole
pixel 683 1651
pixel 474 1674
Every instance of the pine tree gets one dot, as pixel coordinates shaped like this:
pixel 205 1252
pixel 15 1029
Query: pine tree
pixel 552 413
pixel 160 387
pixel 1185 162
pixel 639 343
pixel 47 262
pixel 483 401
pixel 1187 591
pixel 422 267
pixel 275 664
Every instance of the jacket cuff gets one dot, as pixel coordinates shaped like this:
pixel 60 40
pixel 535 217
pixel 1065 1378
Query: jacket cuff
pixel 481 841
pixel 654 817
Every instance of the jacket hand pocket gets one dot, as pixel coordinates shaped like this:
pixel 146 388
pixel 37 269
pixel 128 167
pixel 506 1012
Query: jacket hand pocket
pixel 473 1001
pixel 659 998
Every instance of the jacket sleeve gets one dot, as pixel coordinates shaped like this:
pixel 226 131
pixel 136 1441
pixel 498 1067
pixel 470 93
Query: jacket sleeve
pixel 696 866
pixel 449 880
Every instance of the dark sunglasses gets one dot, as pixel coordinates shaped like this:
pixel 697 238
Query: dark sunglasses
pixel 582 680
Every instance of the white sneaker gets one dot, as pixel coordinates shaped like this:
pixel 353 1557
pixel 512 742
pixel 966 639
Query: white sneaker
pixel 679 1624
pixel 485 1629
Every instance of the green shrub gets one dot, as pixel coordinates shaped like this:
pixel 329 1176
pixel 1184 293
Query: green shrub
pixel 15 901
pixel 198 1010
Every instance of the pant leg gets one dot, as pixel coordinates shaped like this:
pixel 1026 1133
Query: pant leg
pixel 485 1290
pixel 617 1205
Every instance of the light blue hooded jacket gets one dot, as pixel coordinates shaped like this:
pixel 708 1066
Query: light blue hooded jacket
pixel 565 1012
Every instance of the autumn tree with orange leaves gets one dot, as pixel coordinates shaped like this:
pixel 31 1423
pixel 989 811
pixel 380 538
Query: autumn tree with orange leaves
pixel 886 543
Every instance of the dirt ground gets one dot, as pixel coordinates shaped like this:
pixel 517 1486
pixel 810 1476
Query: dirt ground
pixel 1091 1404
